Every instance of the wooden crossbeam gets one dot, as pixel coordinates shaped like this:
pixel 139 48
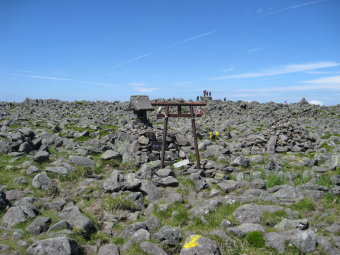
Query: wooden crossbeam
pixel 177 115
pixel 177 104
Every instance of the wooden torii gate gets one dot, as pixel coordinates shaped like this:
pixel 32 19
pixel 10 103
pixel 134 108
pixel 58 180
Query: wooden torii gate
pixel 179 114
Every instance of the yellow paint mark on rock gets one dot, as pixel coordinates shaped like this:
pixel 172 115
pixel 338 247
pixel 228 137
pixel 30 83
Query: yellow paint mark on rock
pixel 192 243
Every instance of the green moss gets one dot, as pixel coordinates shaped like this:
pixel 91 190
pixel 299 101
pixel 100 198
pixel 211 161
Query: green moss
pixel 255 239
pixel 133 250
pixel 271 219
pixel 100 236
pixel 176 215
pixel 324 180
pixel 119 202
pixel 331 201
pixel 329 135
pixel 118 240
pixel 186 182
pixel 213 219
pixel 304 205
pixel 82 139
pixel 327 147
pixel 299 179
pixel 274 180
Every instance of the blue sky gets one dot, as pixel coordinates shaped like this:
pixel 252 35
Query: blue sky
pixel 253 50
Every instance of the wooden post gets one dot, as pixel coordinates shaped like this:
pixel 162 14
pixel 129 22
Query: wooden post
pixel 198 164
pixel 165 131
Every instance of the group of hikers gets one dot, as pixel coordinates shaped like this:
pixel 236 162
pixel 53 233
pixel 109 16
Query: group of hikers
pixel 206 93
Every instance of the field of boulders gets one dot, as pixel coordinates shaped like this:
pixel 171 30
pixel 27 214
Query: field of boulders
pixel 85 177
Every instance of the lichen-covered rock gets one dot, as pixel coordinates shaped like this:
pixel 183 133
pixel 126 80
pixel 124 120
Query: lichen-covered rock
pixel 199 245
pixel 75 217
pixel 54 246
pixel 251 213
pixel 168 235
pixel 82 161
pixel 39 225
pixel 41 181
pixel 151 248
pixel 245 228
pixel 109 249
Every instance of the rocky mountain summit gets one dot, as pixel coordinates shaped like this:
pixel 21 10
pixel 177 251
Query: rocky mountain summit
pixel 85 178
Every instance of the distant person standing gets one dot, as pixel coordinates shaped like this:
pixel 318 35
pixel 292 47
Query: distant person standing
pixel 224 99
pixel 198 98
pixel 210 93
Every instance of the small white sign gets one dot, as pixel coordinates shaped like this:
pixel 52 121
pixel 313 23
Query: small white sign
pixel 181 163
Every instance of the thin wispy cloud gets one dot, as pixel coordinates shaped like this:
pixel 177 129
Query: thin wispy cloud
pixel 229 69
pixel 56 78
pixel 325 80
pixel 335 86
pixel 48 77
pixel 16 70
pixel 165 48
pixel 254 50
pixel 294 68
pixel 262 14
pixel 141 87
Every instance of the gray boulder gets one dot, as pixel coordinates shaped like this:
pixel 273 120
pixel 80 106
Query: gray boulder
pixel 54 246
pixel 289 224
pixel 3 200
pixel 152 223
pixel 110 154
pixel 41 181
pixel 109 249
pixel 39 225
pixel 199 245
pixel 23 210
pixel 82 161
pixel 169 236
pixel 168 181
pixel 241 161
pixel 251 213
pixel 199 182
pixel 245 228
pixel 153 192
pixel 77 220
pixel 32 169
pixel 58 170
pixel 271 144
pixel 14 216
pixel 25 147
pixel 41 156
pixel 63 224
pixel 27 132
pixel 140 236
pixel 151 248
pixel 228 185
pixel 182 140
pixel 326 245
pixel 305 241
pixel 131 229
pixel 118 181
pixel 287 193
pixel 4 147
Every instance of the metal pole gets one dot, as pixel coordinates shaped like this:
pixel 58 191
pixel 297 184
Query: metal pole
pixel 198 164
pixel 165 131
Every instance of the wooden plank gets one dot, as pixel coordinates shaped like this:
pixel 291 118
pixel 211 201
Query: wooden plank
pixel 198 163
pixel 165 131
pixel 177 104
pixel 175 115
